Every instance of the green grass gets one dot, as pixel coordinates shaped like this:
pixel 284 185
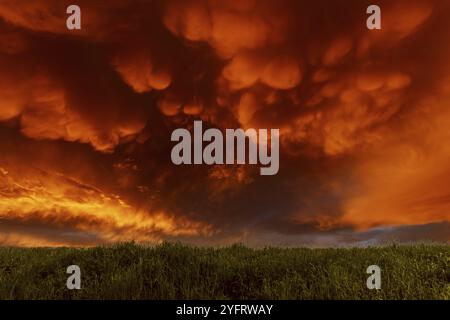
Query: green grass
pixel 174 271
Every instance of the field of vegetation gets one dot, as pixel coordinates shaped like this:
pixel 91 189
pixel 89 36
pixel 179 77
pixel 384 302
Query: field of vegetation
pixel 175 271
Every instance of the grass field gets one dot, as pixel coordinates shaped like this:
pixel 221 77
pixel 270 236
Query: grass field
pixel 174 271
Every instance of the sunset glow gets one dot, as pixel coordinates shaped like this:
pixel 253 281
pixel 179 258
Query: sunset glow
pixel 86 119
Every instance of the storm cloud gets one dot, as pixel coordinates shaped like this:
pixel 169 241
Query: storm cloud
pixel 86 117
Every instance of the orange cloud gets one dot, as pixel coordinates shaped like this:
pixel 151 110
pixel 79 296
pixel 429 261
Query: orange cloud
pixel 362 116
pixel 61 202
pixel 228 26
pixel 405 181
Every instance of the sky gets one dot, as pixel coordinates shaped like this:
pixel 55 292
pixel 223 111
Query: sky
pixel 86 118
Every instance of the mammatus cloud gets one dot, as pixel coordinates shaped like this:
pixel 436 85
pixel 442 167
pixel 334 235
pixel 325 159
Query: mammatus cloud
pixel 86 117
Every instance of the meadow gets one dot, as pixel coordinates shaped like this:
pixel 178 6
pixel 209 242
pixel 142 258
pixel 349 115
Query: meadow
pixel 176 271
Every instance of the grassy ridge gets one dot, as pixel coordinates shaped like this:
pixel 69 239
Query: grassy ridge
pixel 174 271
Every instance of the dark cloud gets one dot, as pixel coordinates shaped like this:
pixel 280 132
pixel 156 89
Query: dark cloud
pixel 86 118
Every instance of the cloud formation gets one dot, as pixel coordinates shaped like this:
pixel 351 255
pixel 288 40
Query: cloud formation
pixel 86 118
